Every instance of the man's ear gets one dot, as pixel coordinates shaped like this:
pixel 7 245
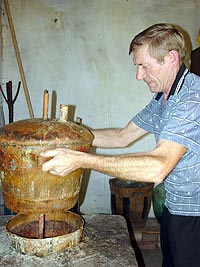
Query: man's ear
pixel 173 57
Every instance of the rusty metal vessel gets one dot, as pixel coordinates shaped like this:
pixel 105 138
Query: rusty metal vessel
pixel 39 197
pixel 62 230
pixel 26 188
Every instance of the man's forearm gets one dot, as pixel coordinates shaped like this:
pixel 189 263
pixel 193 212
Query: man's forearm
pixel 135 167
pixel 117 137
pixel 106 138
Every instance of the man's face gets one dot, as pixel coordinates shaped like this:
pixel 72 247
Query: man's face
pixel 156 75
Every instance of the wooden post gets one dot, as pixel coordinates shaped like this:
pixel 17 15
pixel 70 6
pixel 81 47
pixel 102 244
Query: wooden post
pixel 45 104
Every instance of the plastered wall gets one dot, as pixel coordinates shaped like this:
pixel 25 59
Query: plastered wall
pixel 78 50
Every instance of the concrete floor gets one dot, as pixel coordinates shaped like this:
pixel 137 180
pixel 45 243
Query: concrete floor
pixel 152 257
pixel 147 257
pixel 146 244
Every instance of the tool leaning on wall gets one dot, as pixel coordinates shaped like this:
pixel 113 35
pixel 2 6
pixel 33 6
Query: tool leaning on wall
pixel 21 70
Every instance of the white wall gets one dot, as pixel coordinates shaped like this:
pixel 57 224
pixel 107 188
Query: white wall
pixel 79 49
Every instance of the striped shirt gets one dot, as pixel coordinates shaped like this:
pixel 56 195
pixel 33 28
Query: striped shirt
pixel 178 121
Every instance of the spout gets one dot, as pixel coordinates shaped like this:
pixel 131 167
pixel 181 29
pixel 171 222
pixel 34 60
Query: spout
pixel 45 104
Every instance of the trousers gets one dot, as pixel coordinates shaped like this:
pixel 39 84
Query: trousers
pixel 180 240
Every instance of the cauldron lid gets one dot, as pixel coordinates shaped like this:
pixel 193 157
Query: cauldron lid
pixel 34 131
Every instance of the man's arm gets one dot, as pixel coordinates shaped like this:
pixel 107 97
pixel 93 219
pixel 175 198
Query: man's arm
pixel 117 137
pixel 152 166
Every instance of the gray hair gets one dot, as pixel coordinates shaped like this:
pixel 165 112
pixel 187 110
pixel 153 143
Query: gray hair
pixel 160 38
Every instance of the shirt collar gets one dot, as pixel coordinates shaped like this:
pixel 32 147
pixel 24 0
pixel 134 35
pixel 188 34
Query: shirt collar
pixel 176 87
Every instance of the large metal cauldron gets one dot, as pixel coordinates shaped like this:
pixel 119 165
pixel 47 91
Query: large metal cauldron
pixel 26 188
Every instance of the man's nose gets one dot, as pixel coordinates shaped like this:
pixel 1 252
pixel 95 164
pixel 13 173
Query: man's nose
pixel 140 74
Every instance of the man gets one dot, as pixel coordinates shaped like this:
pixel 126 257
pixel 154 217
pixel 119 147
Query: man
pixel 173 116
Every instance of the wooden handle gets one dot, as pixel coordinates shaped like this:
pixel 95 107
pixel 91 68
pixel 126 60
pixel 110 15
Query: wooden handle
pixel 45 104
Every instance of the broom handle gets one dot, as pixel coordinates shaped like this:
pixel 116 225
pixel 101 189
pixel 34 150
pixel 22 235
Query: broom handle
pixel 18 59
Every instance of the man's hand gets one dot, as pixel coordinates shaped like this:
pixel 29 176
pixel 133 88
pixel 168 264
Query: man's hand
pixel 63 162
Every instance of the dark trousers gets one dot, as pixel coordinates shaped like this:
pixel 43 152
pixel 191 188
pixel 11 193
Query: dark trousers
pixel 180 240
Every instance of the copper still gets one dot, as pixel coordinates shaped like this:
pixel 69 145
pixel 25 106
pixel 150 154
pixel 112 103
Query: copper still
pixel 42 201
